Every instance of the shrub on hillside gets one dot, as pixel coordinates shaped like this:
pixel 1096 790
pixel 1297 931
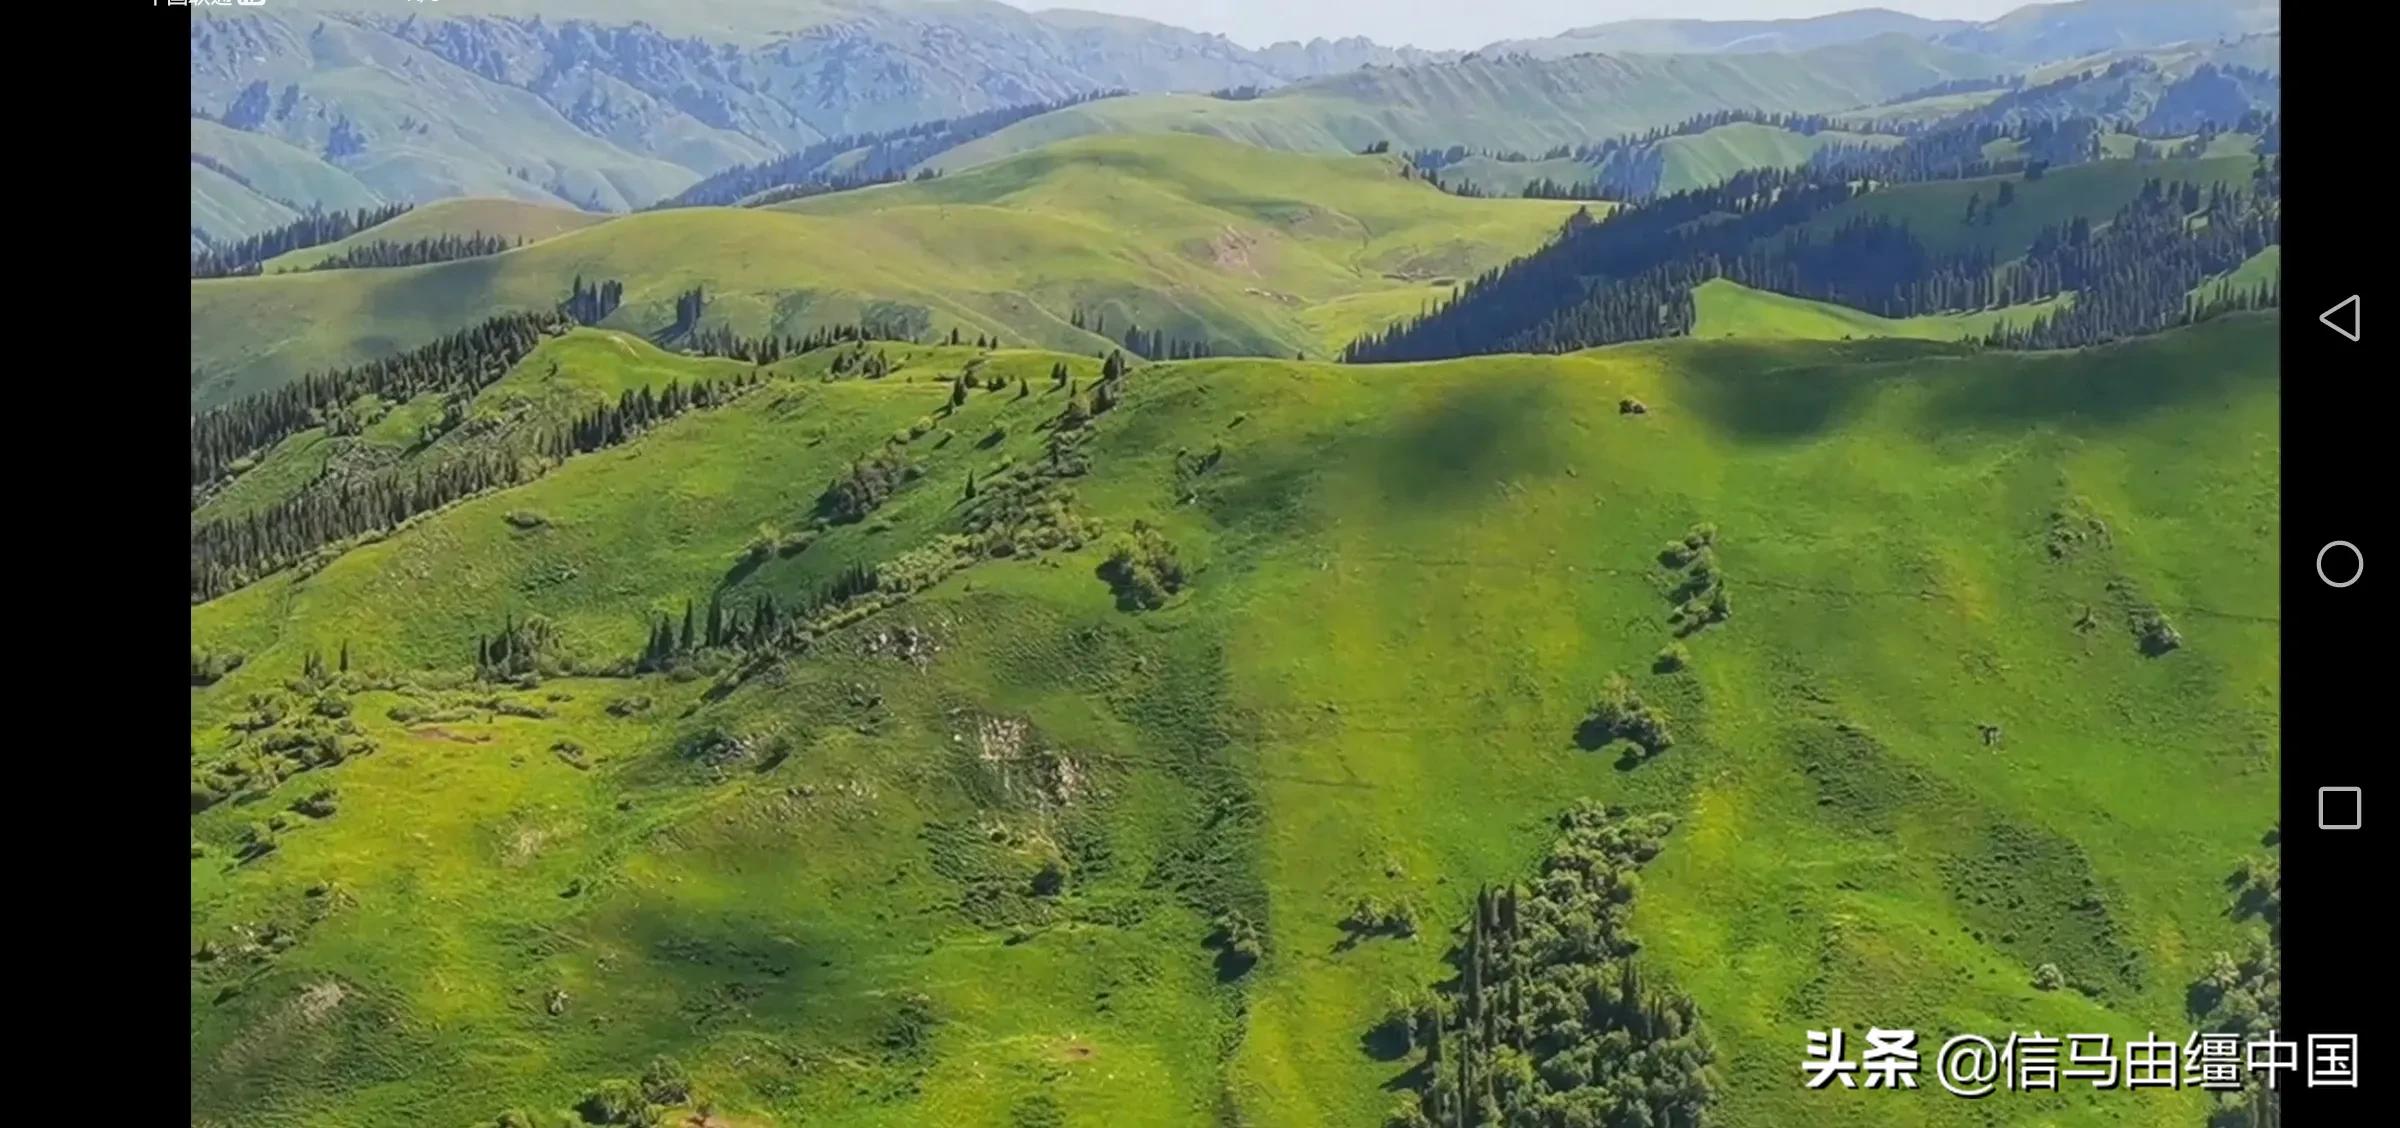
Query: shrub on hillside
pixel 1621 714
pixel 1142 569
pixel 319 804
pixel 2157 635
pixel 1237 942
pixel 617 1102
pixel 2048 978
pixel 1672 657
pixel 666 1082
pixel 209 666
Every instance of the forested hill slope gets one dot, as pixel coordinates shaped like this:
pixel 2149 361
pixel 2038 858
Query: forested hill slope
pixel 869 746
pixel 2132 240
pixel 1208 242
pixel 1509 102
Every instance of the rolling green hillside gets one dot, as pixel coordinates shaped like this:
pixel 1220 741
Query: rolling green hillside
pixel 506 219
pixel 1730 309
pixel 1936 211
pixel 953 861
pixel 1205 239
pixel 269 175
pixel 1670 165
pixel 1505 103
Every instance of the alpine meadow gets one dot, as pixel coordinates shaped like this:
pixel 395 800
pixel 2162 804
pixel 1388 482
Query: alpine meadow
pixel 764 564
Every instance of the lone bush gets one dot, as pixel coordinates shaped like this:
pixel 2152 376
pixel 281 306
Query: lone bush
pixel 1672 657
pixel 1620 714
pixel 2157 635
pixel 2048 978
pixel 665 1081
pixel 617 1102
pixel 1143 569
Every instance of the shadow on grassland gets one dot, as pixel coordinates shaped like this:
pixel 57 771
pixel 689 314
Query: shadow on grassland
pixel 1789 391
pixel 2112 385
pixel 1455 445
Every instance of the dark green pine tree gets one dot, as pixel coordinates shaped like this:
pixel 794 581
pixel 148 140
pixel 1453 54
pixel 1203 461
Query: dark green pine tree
pixel 958 391
pixel 685 646
pixel 970 485
pixel 345 656
pixel 1115 366
pixel 716 620
pixel 1024 388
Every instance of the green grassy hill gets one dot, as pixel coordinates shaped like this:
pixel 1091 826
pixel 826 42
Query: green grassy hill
pixel 1730 309
pixel 1506 102
pixel 1936 211
pixel 507 219
pixel 1202 238
pixel 815 885
pixel 1673 164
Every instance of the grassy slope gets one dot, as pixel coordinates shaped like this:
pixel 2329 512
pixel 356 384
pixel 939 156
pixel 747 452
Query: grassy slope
pixel 1935 210
pixel 1704 158
pixel 559 381
pixel 278 169
pixel 1502 103
pixel 226 210
pixel 1730 309
pixel 1713 156
pixel 1258 237
pixel 1409 581
pixel 508 219
pixel 2264 266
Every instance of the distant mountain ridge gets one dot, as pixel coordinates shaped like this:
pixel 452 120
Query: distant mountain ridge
pixel 1681 37
pixel 313 104
pixel 377 100
pixel 2033 34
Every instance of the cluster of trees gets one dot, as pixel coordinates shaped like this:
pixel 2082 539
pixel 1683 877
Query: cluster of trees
pixel 244 256
pixel 637 410
pixel 1013 512
pixel 878 155
pixel 870 481
pixel 1149 344
pixel 2242 994
pixel 1961 86
pixel 629 1104
pixel 1629 276
pixel 1620 714
pixel 688 307
pixel 831 183
pixel 1505 309
pixel 2137 274
pixel 767 349
pixel 417 252
pixel 1243 93
pixel 463 361
pixel 1142 569
pixel 1544 188
pixel 590 305
pixel 1600 152
pixel 1550 1022
pixel 230 553
pixel 765 625
pixel 519 649
pixel 1154 344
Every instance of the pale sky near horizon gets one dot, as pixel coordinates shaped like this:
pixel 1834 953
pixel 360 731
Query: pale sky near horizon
pixel 1468 24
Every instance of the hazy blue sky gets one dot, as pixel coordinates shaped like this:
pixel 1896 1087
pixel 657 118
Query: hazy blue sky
pixel 1467 24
